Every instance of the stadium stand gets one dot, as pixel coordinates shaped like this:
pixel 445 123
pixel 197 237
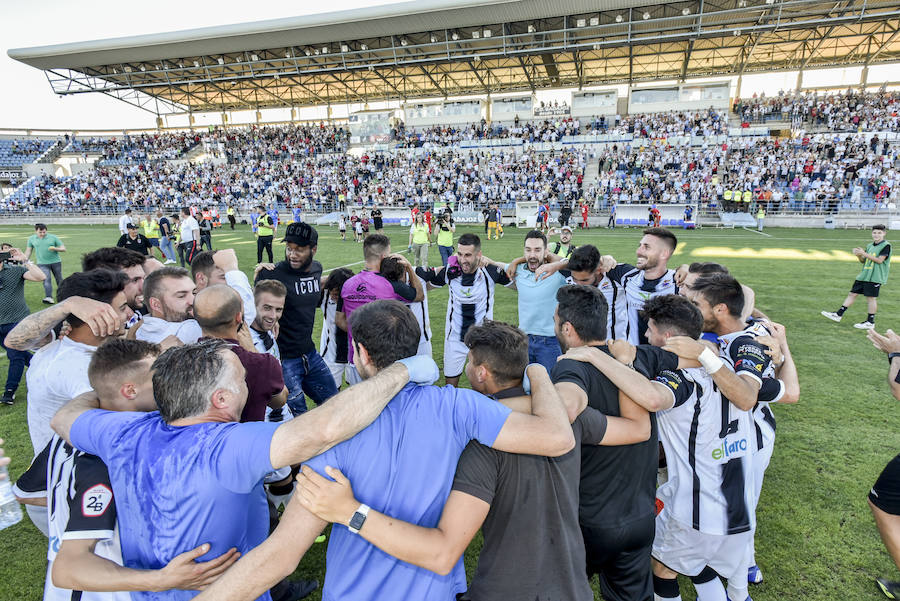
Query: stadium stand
pixel 17 152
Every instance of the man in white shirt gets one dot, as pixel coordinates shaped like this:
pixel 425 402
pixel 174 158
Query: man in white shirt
pixel 58 372
pixel 190 237
pixel 169 295
pixel 124 220
pixel 221 267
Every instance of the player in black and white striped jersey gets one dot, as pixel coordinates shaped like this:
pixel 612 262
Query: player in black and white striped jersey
pixel 75 487
pixel 720 299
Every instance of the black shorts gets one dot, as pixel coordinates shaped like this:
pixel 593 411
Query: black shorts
pixel 620 556
pixel 885 494
pixel 869 289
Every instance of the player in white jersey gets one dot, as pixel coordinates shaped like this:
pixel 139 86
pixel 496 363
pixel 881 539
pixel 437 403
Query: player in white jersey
pixel 648 278
pixel 586 269
pixel 84 546
pixel 720 299
pixel 471 278
pixel 394 271
pixel 333 344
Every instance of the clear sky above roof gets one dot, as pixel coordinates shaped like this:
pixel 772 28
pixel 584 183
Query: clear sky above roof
pixel 28 102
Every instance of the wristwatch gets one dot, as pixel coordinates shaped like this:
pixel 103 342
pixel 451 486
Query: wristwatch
pixel 358 519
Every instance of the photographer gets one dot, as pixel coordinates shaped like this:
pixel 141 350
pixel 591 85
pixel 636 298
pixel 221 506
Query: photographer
pixel 14 270
pixel 884 498
pixel 445 229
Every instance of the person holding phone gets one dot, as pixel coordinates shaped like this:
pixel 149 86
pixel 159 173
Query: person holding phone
pixel 15 269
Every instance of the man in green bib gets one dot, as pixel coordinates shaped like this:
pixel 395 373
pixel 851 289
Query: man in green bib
pixel 876 260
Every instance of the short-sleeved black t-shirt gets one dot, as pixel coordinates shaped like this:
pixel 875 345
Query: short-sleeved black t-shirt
pixel 618 483
pixel 140 244
pixel 303 295
pixel 532 543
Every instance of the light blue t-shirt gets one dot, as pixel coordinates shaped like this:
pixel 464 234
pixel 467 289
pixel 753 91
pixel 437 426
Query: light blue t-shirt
pixel 179 487
pixel 537 301
pixel 403 465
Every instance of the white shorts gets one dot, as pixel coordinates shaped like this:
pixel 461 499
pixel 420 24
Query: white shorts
pixel 282 472
pixel 424 347
pixel 687 551
pixel 340 372
pixel 351 375
pixel 455 353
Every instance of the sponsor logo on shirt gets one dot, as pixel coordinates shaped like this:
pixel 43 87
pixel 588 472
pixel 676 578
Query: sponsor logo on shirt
pixel 729 448
pixel 95 501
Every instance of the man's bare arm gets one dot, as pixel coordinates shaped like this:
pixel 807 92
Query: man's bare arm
pixel 632 383
pixel 77 567
pixel 742 390
pixel 100 316
pixel 271 561
pixel 71 411
pixel 277 401
pixel 631 427
pixel 437 549
pixel 547 431
pixel 345 414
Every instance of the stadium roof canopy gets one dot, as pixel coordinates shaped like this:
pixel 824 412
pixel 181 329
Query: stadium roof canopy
pixel 441 48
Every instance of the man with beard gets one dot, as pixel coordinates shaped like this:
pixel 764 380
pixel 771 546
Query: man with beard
pixel 588 268
pixel 471 278
pixel 305 373
pixel 720 299
pixel 134 265
pixel 649 277
pixel 169 294
pixel 59 371
pixel 536 296
pixel 221 267
pixel 270 297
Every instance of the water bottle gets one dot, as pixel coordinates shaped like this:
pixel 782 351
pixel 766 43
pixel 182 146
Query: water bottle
pixel 10 510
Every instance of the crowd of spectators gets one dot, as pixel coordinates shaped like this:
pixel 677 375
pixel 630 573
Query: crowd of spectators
pixel 139 148
pixel 847 111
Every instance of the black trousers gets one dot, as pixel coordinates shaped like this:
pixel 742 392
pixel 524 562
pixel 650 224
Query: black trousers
pixel 263 242
pixel 620 556
pixel 231 221
pixel 186 252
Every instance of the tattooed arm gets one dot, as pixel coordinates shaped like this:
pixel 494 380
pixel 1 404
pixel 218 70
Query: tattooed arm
pixel 32 330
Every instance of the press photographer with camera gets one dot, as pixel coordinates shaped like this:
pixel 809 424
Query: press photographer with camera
pixel 445 229
pixel 14 270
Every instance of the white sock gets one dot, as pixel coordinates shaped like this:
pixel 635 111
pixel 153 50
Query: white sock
pixel 713 591
pixel 658 598
pixel 738 594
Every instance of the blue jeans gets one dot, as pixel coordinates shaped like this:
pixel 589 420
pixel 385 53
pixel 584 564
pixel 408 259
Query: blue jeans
pixel 543 350
pixel 18 360
pixel 446 253
pixel 165 245
pixel 307 374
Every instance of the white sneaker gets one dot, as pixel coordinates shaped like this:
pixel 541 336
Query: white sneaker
pixel 47 300
pixel 831 315
pixel 864 325
pixel 168 262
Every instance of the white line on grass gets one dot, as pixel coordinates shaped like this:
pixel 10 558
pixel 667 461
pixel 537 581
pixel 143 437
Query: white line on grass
pixel 757 232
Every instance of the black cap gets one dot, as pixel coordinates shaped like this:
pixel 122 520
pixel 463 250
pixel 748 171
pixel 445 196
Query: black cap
pixel 301 234
pixel 131 226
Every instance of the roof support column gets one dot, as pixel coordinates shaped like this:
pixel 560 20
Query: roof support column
pixel 864 77
pixel 799 80
pixel 737 89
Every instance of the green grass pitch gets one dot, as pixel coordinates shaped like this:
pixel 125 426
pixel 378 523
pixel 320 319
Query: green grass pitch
pixel 816 538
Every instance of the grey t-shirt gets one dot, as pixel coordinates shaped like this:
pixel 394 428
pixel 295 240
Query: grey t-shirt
pixel 533 547
pixel 13 307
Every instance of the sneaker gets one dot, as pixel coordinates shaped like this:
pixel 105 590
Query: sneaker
pixel 891 589
pixel 831 315
pixel 8 397
pixel 729 598
pixel 47 300
pixel 168 262
pixel 864 325
pixel 754 575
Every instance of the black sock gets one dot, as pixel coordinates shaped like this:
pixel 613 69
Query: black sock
pixel 871 318
pixel 840 311
pixel 665 587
